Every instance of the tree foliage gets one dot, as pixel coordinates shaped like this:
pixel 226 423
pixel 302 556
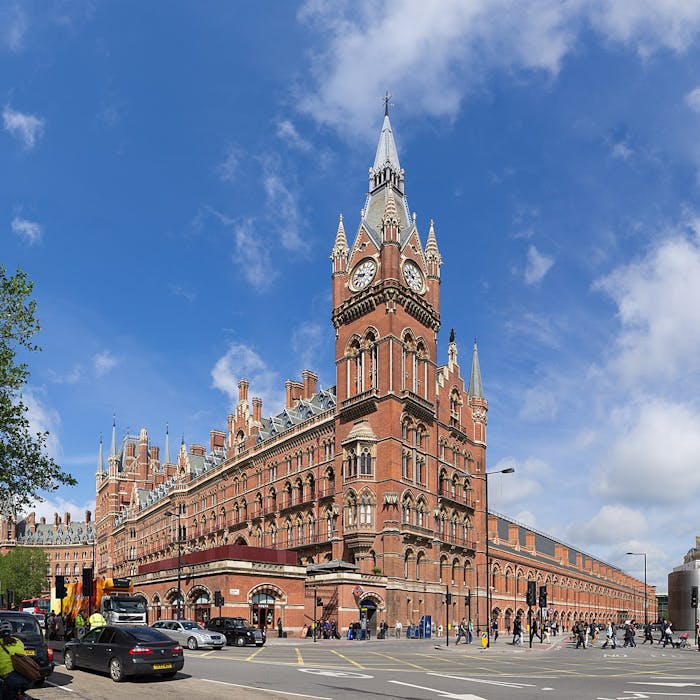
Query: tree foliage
pixel 25 468
pixel 23 570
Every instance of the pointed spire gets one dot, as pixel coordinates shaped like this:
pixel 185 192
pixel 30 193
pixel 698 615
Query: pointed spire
pixel 167 444
pixel 431 247
pixel 113 447
pixel 100 459
pixel 341 242
pixel 476 388
pixel 390 213
pixel 386 149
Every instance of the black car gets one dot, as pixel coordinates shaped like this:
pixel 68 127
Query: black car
pixel 237 630
pixel 125 651
pixel 26 628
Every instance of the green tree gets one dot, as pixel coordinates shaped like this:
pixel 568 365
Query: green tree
pixel 23 569
pixel 25 468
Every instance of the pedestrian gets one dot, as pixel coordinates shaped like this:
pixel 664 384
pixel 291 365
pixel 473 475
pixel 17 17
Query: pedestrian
pixel 610 635
pixel 647 633
pixel 470 632
pixel 518 630
pixel 12 682
pixel 96 620
pixel 580 634
pixel 79 625
pixel 397 629
pixel 461 631
pixel 60 628
pixel 535 630
pixel 494 629
pixel 279 627
pixel 668 634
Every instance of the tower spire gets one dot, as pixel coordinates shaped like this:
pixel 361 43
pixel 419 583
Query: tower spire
pixel 113 447
pixel 476 389
pixel 100 459
pixel 167 444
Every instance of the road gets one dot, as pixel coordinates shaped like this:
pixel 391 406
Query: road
pixel 415 669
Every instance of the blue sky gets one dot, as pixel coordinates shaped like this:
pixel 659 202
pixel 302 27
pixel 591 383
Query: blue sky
pixel 172 175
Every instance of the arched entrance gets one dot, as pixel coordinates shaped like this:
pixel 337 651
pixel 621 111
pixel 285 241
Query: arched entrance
pixel 368 612
pixel 263 610
pixel 202 606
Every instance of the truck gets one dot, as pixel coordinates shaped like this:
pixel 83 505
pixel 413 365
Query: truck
pixel 114 598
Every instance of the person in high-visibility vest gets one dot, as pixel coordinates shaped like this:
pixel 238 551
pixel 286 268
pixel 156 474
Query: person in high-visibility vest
pixel 80 625
pixel 96 620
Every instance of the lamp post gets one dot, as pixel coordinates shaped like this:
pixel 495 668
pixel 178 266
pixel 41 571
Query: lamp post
pixel 177 515
pixel 507 470
pixel 643 554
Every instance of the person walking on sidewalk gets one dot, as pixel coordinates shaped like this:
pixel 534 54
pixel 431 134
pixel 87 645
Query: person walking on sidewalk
pixel 647 634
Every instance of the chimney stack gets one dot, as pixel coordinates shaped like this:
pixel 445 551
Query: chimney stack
pixel 310 379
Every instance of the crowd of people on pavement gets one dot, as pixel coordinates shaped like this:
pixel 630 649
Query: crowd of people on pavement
pixel 64 627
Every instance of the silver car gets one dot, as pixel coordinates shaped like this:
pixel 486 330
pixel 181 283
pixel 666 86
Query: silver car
pixel 190 634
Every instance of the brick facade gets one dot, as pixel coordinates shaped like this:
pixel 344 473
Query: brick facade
pixel 377 485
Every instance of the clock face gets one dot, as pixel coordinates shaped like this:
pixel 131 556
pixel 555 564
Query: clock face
pixel 364 274
pixel 413 276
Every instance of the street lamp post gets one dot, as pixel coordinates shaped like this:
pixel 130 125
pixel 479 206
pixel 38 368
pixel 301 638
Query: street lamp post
pixel 643 554
pixel 177 515
pixel 507 470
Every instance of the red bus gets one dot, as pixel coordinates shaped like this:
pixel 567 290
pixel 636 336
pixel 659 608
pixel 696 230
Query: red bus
pixel 38 606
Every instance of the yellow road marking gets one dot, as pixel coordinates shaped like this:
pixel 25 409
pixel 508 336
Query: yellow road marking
pixel 401 661
pixel 300 659
pixel 345 658
pixel 254 654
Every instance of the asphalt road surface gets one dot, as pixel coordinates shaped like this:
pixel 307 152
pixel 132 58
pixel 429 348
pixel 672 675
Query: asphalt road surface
pixel 410 669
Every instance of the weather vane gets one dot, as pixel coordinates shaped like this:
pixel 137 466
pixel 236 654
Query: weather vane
pixel 387 101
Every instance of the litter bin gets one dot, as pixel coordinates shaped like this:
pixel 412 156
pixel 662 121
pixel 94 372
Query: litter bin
pixel 484 640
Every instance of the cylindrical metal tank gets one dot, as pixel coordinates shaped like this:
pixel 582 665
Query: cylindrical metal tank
pixel 680 583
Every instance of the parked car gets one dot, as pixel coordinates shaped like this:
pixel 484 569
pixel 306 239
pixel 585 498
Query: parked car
pixel 237 630
pixel 190 633
pixel 26 627
pixel 125 651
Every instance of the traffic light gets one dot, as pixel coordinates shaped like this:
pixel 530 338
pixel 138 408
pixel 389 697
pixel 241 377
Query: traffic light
pixel 60 586
pixel 468 599
pixel 449 599
pixel 319 602
pixel 218 599
pixel 87 582
pixel 530 599
pixel 10 598
pixel 694 597
pixel 543 597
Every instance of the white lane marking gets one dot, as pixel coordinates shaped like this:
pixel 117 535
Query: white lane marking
pixel 667 684
pixel 507 684
pixel 334 674
pixel 265 690
pixel 441 693
pixel 60 687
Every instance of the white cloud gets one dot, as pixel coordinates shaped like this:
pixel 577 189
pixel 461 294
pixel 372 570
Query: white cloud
pixel 308 341
pixel 228 168
pixel 51 506
pixel 13 27
pixel 288 133
pixel 652 455
pixel 692 99
pixel 178 290
pixel 525 483
pixel 612 524
pixel 25 127
pixel 30 231
pixel 660 320
pixel 283 202
pixel 104 362
pixel 537 266
pixel 252 255
pixel 71 377
pixel 438 52
pixel 242 362
pixel 43 418
pixel 621 151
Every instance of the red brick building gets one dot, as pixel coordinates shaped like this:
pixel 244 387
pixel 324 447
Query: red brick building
pixel 376 486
